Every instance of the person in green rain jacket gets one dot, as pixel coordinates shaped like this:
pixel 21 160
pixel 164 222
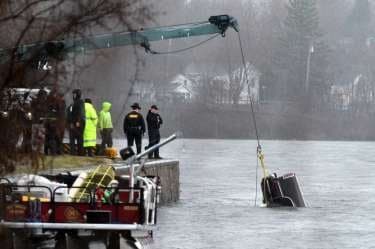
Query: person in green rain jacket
pixel 89 133
pixel 105 126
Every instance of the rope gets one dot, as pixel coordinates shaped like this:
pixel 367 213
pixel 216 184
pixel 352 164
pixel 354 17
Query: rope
pixel 256 182
pixel 260 155
pixel 148 49
pixel 248 85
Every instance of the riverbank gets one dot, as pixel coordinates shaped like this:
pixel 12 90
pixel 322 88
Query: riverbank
pixel 59 163
pixel 274 121
pixel 236 123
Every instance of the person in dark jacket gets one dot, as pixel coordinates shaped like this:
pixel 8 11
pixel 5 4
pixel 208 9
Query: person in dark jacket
pixel 154 121
pixel 50 125
pixel 134 127
pixel 54 123
pixel 39 109
pixel 76 121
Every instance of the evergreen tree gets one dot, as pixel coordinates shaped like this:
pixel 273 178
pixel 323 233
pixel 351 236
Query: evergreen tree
pixel 360 54
pixel 358 22
pixel 302 55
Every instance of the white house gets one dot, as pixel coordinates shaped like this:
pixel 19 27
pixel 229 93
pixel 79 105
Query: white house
pixel 182 87
pixel 186 84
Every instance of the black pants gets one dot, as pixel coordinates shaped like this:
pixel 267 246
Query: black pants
pixel 89 151
pixel 26 142
pixel 107 141
pixel 137 137
pixel 76 135
pixel 53 142
pixel 153 138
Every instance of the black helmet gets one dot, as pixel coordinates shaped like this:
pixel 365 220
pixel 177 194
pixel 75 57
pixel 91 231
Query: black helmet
pixel 154 107
pixel 77 94
pixel 135 106
pixel 42 93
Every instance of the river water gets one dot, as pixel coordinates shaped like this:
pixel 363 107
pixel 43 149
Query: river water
pixel 217 206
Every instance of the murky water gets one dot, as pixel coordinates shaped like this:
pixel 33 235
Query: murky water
pixel 218 186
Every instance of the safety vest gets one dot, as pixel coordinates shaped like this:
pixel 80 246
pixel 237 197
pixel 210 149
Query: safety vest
pixel 105 120
pixel 89 134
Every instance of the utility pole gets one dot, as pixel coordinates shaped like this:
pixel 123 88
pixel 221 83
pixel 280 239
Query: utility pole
pixel 310 51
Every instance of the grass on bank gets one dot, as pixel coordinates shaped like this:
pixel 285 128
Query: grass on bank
pixel 54 164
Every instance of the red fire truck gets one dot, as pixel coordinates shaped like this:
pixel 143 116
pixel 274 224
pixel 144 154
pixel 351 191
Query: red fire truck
pixel 46 211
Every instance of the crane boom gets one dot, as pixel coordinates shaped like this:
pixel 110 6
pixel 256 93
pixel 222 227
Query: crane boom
pixel 215 25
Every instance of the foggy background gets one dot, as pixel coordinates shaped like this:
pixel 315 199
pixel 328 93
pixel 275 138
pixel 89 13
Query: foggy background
pixel 309 63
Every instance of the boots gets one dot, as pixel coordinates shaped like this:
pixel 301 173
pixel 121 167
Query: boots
pixel 149 155
pixel 156 156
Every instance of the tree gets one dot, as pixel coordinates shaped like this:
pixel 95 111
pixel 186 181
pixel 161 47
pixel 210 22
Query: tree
pixel 331 20
pixel 243 79
pixel 359 21
pixel 270 21
pixel 358 30
pixel 302 54
pixel 206 89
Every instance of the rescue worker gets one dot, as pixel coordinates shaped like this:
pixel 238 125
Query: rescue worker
pixel 54 123
pixel 134 127
pixel 50 123
pixel 154 121
pixel 76 121
pixel 105 126
pixel 39 110
pixel 61 106
pixel 26 124
pixel 89 133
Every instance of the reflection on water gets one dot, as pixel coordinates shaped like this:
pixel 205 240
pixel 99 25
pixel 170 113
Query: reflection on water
pixel 216 209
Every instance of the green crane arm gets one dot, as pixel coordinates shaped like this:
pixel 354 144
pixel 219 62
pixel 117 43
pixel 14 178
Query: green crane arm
pixel 214 25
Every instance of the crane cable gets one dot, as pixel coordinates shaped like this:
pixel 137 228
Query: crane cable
pixel 259 152
pixel 149 50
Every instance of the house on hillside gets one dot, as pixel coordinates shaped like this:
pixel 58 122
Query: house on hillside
pixel 182 88
pixel 231 88
pixel 340 97
pixel 142 91
pixel 357 94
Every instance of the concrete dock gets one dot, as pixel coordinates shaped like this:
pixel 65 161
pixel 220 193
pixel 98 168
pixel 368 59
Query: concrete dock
pixel 167 169
pixel 169 172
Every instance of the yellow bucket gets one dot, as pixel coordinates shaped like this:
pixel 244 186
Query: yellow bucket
pixel 110 153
